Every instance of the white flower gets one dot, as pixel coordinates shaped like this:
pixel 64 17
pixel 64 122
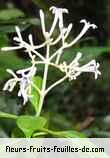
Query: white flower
pixel 85 28
pixel 92 66
pixel 73 69
pixel 24 79
pixel 59 14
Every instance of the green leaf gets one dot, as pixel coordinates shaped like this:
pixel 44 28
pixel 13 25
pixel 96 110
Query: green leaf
pixel 37 81
pixel 30 124
pixel 12 13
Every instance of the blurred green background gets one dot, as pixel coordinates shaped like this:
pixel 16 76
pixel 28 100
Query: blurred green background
pixel 84 104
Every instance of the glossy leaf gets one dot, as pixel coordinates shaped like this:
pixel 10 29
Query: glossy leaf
pixel 30 124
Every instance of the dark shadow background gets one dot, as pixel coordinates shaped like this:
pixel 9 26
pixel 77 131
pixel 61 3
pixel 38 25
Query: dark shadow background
pixel 83 104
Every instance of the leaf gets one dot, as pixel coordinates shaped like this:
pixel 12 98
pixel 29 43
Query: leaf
pixel 12 13
pixel 71 134
pixel 30 124
pixel 37 81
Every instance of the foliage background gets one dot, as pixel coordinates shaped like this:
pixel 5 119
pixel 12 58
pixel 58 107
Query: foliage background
pixel 84 104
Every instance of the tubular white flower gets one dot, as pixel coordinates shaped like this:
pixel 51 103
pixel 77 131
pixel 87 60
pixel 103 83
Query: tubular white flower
pixel 46 35
pixel 24 81
pixel 92 66
pixel 73 70
pixel 86 26
pixel 58 12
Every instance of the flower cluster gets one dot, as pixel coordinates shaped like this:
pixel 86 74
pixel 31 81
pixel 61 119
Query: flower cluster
pixel 71 71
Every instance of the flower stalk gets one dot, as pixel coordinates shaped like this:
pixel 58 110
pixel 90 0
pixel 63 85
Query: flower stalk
pixel 42 96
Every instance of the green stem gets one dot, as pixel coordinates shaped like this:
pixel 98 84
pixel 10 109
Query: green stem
pixel 47 131
pixel 42 96
pixel 6 115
